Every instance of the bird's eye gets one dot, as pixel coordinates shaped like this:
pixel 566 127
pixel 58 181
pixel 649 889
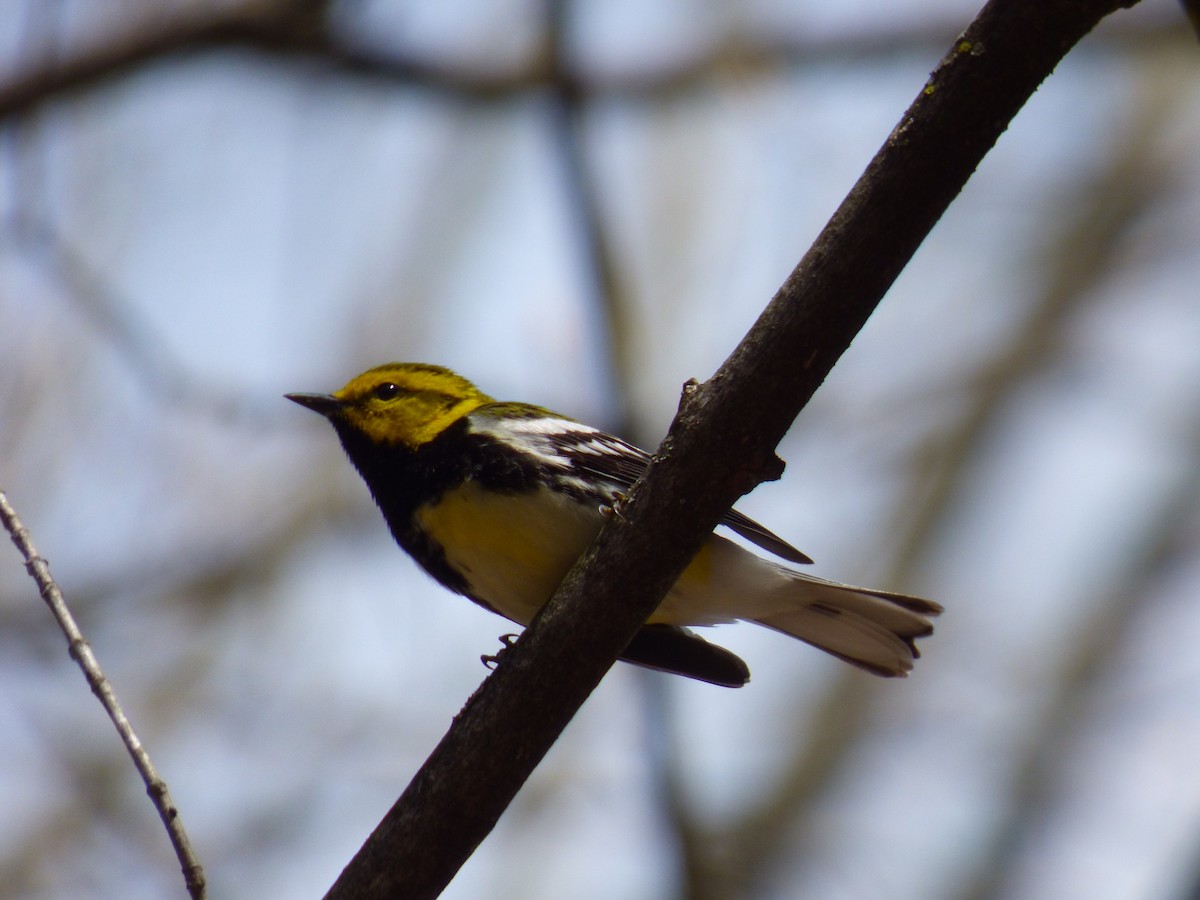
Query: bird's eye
pixel 386 391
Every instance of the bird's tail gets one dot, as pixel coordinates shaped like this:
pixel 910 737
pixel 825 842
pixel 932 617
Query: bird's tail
pixel 874 630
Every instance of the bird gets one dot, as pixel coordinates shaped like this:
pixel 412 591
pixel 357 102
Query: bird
pixel 496 500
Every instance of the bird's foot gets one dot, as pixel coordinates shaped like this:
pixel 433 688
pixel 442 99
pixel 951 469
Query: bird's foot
pixel 613 510
pixel 492 660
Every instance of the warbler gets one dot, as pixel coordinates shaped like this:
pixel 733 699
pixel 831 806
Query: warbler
pixel 497 500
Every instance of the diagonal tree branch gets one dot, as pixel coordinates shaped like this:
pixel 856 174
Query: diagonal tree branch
pixel 720 445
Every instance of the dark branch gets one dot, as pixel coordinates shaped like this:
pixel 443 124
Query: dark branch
pixel 719 446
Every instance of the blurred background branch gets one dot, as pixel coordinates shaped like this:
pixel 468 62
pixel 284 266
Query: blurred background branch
pixel 209 204
pixel 301 29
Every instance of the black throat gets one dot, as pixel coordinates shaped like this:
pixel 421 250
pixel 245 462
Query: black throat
pixel 402 480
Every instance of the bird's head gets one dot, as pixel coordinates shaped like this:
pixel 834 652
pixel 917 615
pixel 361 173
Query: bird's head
pixel 406 404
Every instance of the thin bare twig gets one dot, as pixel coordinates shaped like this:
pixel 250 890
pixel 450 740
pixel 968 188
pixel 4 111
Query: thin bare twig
pixel 81 652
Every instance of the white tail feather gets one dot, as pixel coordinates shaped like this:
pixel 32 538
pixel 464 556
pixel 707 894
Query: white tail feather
pixel 873 630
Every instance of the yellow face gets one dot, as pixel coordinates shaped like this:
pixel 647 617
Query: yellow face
pixel 407 403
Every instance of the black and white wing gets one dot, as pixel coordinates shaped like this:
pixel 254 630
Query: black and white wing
pixel 596 454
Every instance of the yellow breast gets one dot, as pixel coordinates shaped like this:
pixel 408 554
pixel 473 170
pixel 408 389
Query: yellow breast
pixel 513 549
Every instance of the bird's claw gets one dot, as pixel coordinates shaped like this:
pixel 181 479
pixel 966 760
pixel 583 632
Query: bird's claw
pixel 613 510
pixel 490 660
